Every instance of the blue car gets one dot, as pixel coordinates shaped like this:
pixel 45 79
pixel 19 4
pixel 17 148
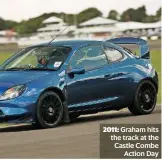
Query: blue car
pixel 55 82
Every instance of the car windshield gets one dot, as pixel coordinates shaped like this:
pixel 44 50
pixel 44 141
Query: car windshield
pixel 37 58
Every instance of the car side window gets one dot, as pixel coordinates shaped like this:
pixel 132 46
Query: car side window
pixel 112 54
pixel 89 58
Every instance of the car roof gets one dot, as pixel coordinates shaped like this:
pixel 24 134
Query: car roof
pixel 71 43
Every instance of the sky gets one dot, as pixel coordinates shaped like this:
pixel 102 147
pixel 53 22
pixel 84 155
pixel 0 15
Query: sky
pixel 24 9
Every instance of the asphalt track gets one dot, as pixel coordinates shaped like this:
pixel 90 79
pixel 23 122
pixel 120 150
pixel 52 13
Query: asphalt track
pixel 79 139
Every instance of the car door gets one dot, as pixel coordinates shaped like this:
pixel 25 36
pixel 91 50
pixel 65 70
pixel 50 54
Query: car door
pixel 89 89
pixel 120 81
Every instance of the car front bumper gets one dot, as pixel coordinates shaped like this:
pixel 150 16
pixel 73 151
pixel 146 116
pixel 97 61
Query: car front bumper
pixel 18 110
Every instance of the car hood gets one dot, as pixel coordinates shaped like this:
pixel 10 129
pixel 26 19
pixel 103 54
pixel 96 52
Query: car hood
pixel 9 79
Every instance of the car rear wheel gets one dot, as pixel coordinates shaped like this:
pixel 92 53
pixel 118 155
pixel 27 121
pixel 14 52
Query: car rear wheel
pixel 145 99
pixel 49 112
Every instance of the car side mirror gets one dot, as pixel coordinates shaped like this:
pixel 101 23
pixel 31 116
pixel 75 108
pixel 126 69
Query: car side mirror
pixel 76 71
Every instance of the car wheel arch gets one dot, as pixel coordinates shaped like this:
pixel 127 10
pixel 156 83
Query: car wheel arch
pixel 145 79
pixel 151 80
pixel 62 98
pixel 133 107
pixel 57 91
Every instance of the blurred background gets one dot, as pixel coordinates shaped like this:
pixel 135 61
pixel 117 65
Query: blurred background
pixel 29 22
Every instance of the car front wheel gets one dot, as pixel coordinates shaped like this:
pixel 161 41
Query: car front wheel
pixel 49 111
pixel 145 99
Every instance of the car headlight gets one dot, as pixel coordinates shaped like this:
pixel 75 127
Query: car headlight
pixel 13 92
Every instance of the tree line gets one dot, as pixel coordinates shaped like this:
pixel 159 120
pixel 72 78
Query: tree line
pixel 31 25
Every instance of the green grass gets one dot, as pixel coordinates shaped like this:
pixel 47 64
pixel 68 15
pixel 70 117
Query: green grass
pixel 4 56
pixel 155 59
pixel 3 125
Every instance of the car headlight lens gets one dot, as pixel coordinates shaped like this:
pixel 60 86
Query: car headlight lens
pixel 13 92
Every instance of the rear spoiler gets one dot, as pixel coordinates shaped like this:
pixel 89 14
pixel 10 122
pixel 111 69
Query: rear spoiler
pixel 143 45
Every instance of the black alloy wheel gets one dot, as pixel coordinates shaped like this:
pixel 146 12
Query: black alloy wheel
pixel 49 111
pixel 145 98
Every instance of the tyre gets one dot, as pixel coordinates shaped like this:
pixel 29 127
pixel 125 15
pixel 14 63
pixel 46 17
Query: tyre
pixel 49 111
pixel 144 99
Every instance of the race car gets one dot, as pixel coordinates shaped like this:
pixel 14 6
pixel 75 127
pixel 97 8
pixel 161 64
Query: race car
pixel 55 82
